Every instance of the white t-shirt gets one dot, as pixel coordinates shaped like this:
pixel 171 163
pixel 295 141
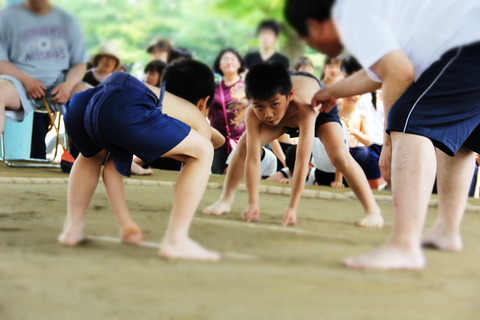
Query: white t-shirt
pixel 268 164
pixel 310 179
pixel 375 117
pixel 320 158
pixel 423 29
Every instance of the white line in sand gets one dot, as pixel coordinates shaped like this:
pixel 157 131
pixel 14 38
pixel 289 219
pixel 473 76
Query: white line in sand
pixel 232 255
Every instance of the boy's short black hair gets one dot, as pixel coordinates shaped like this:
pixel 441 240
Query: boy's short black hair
pixel 155 66
pixel 216 63
pixel 351 65
pixel 189 79
pixel 269 24
pixel 265 80
pixel 297 12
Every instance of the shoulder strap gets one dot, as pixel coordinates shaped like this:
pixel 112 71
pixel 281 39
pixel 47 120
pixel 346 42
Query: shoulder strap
pixel 224 107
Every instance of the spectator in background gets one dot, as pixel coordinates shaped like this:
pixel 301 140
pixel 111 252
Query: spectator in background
pixel 179 53
pixel 332 71
pixel 304 64
pixel 267 32
pixel 153 72
pixel 42 54
pixel 160 49
pixel 105 62
pixel 227 113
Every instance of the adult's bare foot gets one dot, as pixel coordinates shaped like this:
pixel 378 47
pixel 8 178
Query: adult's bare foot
pixel 187 250
pixel 442 240
pixel 388 257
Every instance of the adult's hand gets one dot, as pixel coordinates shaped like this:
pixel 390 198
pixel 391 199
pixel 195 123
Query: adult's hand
pixel 35 88
pixel 323 101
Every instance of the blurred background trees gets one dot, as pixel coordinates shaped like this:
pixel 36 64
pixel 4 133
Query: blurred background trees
pixel 203 26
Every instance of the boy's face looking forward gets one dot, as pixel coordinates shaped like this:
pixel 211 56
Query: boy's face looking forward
pixel 272 111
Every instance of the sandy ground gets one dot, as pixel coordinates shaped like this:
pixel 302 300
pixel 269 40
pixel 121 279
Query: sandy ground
pixel 269 271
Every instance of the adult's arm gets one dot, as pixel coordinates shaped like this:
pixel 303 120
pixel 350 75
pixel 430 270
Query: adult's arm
pixel 35 88
pixel 74 76
pixel 397 74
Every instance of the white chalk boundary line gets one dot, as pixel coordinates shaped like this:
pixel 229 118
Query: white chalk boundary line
pixel 307 193
pixel 154 245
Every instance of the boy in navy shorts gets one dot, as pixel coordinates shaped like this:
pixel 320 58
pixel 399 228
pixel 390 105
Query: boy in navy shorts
pixel 281 103
pixel 424 57
pixel 123 117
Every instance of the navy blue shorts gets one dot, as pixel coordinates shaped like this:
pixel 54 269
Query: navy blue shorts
pixel 444 103
pixel 321 119
pixel 124 117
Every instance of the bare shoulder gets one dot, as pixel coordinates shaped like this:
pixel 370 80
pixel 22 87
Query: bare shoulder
pixel 305 88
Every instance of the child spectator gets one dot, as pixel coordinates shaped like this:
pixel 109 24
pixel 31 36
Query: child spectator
pixel 123 117
pixel 160 49
pixel 153 72
pixel 331 71
pixel 372 104
pixel 304 64
pixel 279 102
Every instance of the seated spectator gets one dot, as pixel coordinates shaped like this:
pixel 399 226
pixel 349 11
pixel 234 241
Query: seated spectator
pixel 304 64
pixel 331 71
pixel 372 105
pixel 153 72
pixel 268 164
pixel 42 54
pixel 160 49
pixel 105 62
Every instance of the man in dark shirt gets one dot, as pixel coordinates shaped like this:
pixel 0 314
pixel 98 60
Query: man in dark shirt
pixel 267 31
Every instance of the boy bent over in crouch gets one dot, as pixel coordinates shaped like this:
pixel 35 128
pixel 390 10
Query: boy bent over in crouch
pixel 116 120
pixel 279 103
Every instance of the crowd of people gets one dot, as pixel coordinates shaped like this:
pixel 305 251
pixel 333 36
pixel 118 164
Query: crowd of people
pixel 260 119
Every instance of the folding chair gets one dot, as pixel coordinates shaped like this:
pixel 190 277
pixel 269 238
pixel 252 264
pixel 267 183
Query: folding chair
pixel 15 143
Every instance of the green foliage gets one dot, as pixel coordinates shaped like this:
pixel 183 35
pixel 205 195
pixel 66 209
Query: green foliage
pixel 203 26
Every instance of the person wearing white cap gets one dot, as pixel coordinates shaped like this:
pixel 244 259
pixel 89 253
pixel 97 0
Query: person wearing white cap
pixel 105 62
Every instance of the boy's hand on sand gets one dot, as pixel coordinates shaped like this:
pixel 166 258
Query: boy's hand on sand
pixel 323 101
pixel 252 213
pixel 290 217
pixel 337 185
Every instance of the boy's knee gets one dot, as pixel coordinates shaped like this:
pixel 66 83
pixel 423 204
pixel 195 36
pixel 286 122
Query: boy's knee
pixel 340 160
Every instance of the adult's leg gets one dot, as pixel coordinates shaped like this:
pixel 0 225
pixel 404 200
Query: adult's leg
pixel 331 135
pixel 454 176
pixel 197 153
pixel 413 173
pixel 9 100
pixel 130 232
pixel 82 183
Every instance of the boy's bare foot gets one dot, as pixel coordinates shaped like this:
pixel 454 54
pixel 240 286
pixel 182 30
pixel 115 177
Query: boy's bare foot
pixel 138 170
pixel 131 234
pixel 218 208
pixel 72 236
pixel 372 220
pixel 388 257
pixel 442 240
pixel 187 250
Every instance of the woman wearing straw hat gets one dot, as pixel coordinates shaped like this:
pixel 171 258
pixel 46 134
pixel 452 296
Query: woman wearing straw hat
pixel 105 62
